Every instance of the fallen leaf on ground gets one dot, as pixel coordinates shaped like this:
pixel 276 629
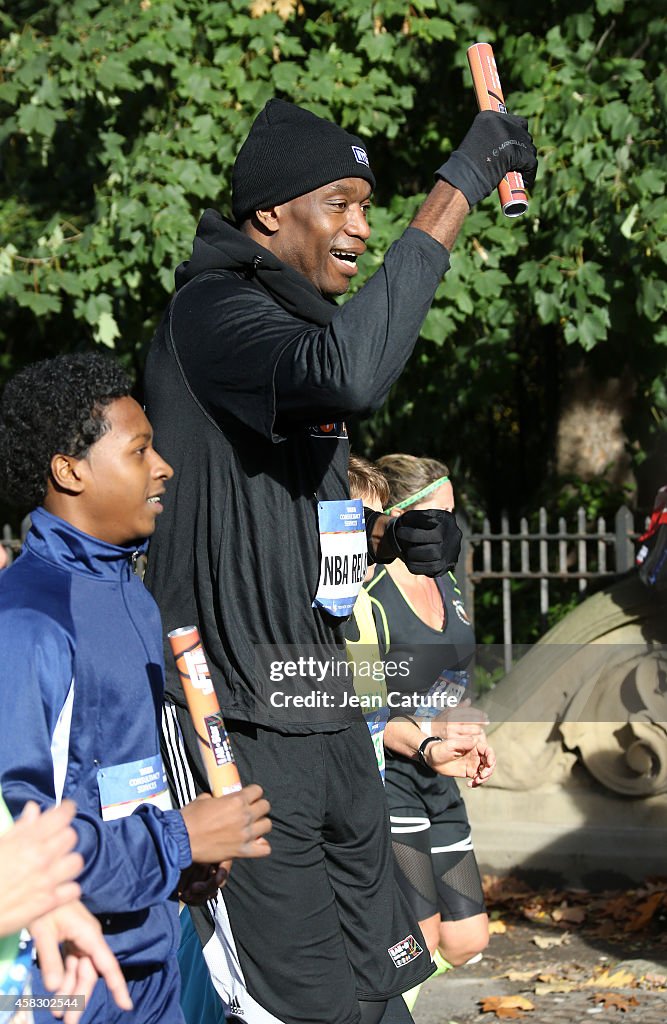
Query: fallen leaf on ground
pixel 645 912
pixel 549 941
pixel 574 915
pixel 520 975
pixel 506 1007
pixel 615 906
pixel 615 1001
pixel 501 888
pixel 534 913
pixel 613 979
pixel 605 930
pixel 554 987
pixel 497 927
pixel 608 914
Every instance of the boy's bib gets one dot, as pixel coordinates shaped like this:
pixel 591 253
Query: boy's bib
pixel 124 787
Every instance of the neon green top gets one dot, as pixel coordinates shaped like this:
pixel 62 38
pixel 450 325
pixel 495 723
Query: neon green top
pixel 364 656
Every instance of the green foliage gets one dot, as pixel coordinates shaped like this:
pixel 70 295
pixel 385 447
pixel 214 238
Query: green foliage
pixel 598 497
pixel 119 122
pixel 578 281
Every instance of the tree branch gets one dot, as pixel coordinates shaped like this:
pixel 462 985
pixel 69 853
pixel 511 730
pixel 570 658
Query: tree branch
pixel 601 41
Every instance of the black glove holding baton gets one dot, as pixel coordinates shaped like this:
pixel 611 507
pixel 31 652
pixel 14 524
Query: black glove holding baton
pixel 427 540
pixel 495 144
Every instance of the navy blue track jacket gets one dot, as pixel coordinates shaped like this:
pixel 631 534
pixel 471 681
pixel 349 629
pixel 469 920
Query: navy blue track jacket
pixel 81 689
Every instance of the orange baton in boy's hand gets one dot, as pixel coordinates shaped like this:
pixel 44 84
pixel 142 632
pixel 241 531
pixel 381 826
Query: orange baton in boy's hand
pixel 214 744
pixel 488 90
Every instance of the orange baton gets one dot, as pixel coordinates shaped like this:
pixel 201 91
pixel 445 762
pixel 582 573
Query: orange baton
pixel 214 744
pixel 489 93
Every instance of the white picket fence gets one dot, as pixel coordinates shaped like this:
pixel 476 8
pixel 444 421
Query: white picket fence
pixel 577 553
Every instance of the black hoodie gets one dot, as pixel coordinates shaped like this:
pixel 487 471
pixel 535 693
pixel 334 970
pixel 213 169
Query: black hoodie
pixel 248 360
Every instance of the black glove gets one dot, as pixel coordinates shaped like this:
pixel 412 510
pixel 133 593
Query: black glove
pixel 496 143
pixel 427 540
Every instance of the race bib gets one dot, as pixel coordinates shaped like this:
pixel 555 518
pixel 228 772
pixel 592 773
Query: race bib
pixel 124 787
pixel 376 722
pixel 447 692
pixel 344 555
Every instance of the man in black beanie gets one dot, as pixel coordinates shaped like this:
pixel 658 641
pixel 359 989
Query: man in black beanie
pixel 249 380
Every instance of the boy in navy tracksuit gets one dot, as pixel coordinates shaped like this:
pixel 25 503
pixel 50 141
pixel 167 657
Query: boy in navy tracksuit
pixel 82 678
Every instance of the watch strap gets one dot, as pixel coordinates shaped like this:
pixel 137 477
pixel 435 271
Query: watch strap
pixel 421 752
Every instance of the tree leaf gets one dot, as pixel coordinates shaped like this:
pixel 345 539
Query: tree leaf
pixel 106 330
pixel 34 119
pixel 39 302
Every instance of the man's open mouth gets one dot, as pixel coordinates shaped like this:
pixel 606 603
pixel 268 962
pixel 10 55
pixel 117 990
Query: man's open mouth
pixel 345 256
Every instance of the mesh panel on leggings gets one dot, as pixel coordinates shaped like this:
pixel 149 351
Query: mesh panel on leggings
pixel 460 887
pixel 416 866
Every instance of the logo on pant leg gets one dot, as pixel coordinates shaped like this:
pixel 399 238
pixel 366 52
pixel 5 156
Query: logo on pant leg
pixel 235 1009
pixel 404 951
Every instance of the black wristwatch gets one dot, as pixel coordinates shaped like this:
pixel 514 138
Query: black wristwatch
pixel 421 752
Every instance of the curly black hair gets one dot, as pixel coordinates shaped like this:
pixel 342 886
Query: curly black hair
pixel 57 405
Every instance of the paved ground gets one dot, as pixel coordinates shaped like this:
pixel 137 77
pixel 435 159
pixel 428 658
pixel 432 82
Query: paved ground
pixel 602 969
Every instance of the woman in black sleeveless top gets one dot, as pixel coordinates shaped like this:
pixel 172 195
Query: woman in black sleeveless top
pixel 422 623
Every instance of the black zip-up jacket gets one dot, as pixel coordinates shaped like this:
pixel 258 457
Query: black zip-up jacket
pixel 248 381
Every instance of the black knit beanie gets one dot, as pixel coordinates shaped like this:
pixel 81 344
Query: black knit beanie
pixel 289 152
